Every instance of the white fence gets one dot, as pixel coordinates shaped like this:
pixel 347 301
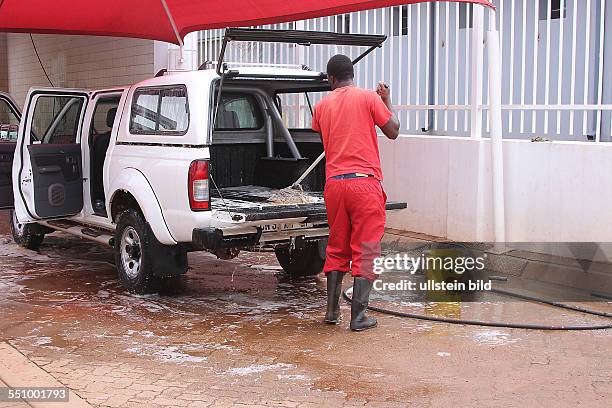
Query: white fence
pixel 557 60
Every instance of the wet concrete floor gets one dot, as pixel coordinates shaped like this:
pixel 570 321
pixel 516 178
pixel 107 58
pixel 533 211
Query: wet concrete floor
pixel 242 331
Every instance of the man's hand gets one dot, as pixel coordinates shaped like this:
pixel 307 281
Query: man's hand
pixel 383 91
pixel 391 129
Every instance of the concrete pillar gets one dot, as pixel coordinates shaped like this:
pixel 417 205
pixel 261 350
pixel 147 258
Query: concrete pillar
pixel 606 125
pixel 173 58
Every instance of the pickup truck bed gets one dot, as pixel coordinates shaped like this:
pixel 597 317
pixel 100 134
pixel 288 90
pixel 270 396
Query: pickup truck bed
pixel 252 203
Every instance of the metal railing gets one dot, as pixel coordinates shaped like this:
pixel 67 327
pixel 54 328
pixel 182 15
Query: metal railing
pixel 556 62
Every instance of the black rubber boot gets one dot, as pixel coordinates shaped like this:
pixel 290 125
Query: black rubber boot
pixel 359 305
pixel 334 290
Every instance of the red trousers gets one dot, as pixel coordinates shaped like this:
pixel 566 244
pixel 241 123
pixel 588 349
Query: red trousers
pixel 356 217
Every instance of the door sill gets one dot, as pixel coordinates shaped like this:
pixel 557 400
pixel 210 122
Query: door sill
pixel 80 230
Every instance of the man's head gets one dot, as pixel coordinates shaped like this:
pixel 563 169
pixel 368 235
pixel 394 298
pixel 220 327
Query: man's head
pixel 340 71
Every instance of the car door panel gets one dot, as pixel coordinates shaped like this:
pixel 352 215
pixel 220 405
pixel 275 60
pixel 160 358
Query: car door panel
pixel 48 180
pixel 9 122
pixel 57 178
pixel 7 151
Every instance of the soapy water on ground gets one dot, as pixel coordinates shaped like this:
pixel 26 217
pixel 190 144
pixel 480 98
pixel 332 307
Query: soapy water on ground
pixel 245 322
pixel 167 354
pixel 257 369
pixel 494 337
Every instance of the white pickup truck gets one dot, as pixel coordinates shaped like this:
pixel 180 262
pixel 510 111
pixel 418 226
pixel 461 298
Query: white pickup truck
pixel 185 161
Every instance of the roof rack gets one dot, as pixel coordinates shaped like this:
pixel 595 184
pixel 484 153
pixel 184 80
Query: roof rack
pixel 300 37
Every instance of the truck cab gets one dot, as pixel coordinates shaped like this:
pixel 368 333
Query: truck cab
pixel 184 161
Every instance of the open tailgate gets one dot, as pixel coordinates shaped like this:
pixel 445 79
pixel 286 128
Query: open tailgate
pixel 309 212
pixel 249 205
pixel 243 217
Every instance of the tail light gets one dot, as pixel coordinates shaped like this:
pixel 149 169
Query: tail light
pixel 199 193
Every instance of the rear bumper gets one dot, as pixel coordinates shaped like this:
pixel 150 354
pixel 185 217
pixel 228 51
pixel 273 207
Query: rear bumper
pixel 213 238
pixel 245 236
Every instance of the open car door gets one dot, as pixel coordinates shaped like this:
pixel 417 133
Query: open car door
pixel 47 170
pixel 9 125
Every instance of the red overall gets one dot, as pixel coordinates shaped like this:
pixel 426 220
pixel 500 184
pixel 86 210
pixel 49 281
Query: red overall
pixel 346 120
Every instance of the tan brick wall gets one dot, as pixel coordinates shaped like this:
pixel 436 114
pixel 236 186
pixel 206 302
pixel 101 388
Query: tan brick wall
pixel 75 62
pixel 3 64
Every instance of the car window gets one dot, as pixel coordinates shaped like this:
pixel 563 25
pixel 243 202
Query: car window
pixel 238 112
pixel 160 111
pixel 56 119
pixel 104 115
pixel 9 124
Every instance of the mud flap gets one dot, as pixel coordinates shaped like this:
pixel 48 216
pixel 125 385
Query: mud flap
pixel 167 260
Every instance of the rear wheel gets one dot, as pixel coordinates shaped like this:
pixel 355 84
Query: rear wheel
pixel 24 235
pixel 307 261
pixel 142 262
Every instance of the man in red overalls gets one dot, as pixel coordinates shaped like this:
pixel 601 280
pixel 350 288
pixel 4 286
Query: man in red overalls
pixel 354 197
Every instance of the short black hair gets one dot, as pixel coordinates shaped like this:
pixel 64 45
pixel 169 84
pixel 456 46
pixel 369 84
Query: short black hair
pixel 340 67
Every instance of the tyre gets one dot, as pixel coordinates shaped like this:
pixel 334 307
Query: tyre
pixel 24 234
pixel 307 261
pixel 142 262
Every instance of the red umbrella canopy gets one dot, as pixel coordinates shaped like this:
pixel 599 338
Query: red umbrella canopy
pixel 169 20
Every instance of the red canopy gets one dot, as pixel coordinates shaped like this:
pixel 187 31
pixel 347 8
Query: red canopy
pixel 166 20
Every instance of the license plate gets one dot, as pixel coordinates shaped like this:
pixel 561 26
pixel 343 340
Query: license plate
pixel 285 227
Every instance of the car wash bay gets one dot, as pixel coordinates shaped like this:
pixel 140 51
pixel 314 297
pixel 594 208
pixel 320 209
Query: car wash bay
pixel 239 331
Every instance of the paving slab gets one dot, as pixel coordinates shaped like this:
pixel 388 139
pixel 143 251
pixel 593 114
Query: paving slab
pixel 17 371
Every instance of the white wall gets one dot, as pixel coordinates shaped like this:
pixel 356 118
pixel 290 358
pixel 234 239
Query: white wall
pixel 76 61
pixel 554 191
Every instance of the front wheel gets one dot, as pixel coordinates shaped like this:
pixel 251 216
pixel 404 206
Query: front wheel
pixel 24 235
pixel 142 262
pixel 306 261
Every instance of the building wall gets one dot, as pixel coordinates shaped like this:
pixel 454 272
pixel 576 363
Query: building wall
pixel 554 191
pixel 75 62
pixel 3 63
